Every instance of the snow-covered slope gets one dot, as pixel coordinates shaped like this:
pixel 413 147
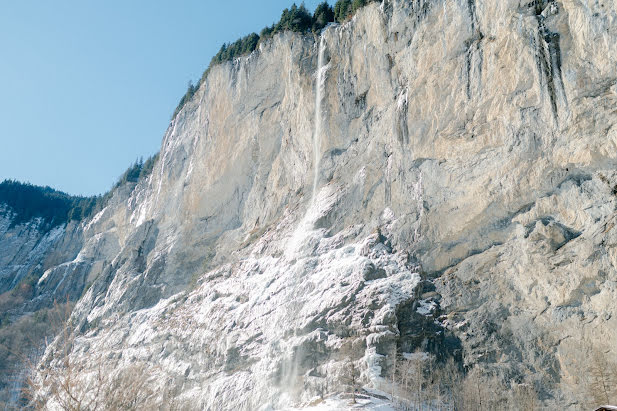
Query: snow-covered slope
pixel 24 248
pixel 434 175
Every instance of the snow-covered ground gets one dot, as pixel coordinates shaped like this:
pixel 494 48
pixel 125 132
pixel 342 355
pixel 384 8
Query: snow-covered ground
pixel 338 403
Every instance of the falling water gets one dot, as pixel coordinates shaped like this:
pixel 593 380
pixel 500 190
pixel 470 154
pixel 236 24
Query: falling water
pixel 445 27
pixel 319 92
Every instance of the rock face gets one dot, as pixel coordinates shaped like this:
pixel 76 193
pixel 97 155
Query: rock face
pixel 24 248
pixel 452 188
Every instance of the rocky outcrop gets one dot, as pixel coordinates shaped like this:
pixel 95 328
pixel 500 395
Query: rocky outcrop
pixel 463 204
pixel 24 248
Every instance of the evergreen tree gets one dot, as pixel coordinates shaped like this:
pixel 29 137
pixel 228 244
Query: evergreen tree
pixel 342 10
pixel 296 19
pixel 190 92
pixel 357 4
pixel 267 32
pixel 23 202
pixel 323 15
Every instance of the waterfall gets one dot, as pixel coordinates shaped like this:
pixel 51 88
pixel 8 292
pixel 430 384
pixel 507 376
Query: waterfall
pixel 319 92
pixel 444 47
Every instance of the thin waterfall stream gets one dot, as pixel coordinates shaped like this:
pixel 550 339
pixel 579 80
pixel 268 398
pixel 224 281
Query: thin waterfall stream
pixel 319 95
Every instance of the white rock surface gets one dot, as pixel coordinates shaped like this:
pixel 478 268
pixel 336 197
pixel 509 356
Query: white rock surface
pixel 469 142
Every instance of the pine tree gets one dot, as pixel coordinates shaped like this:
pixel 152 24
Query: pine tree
pixel 323 15
pixel 357 4
pixel 342 10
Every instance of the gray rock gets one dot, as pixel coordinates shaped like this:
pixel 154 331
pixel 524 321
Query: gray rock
pixel 473 143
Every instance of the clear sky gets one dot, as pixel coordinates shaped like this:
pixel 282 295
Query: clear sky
pixel 87 87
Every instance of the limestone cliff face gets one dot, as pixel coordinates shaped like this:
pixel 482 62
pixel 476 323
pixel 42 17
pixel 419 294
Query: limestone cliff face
pixel 433 174
pixel 24 248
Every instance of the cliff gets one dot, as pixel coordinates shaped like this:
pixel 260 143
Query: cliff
pixel 432 175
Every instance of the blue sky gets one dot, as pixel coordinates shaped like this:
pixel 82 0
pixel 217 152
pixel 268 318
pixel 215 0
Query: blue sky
pixel 86 87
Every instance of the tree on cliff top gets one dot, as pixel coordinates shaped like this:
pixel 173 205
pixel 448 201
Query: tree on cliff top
pixel 296 19
pixel 322 16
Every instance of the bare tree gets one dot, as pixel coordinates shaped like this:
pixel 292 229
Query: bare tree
pixel 410 384
pixel 421 382
pixel 393 371
pixel 473 391
pixel 129 390
pixel 524 397
pixel 602 380
pixel 350 376
pixel 481 391
pixel 61 381
pixel 446 383
pixel 352 379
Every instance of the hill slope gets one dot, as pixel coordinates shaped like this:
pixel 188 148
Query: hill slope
pixel 434 176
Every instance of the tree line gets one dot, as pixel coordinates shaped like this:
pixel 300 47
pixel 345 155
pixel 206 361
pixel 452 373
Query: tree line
pixel 296 19
pixel 25 202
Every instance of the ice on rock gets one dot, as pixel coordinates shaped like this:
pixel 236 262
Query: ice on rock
pixel 300 194
pixel 426 307
pixel 282 319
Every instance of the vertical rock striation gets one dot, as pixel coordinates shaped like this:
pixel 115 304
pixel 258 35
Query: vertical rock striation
pixel 465 206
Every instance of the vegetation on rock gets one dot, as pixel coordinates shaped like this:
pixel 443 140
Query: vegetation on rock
pixel 25 201
pixel 296 19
